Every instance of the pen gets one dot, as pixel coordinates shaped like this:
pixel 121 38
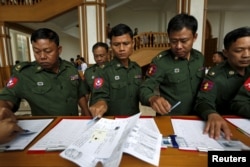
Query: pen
pixel 56 148
pixel 179 102
pixel 93 120
pixel 26 132
pixel 3 148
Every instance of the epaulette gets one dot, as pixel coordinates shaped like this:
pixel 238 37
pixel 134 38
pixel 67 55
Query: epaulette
pixel 20 66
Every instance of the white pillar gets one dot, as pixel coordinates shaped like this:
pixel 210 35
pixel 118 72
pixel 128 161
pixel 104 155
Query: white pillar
pixel 92 24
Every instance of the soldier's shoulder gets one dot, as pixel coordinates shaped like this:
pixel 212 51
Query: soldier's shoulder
pixel 161 55
pixel 216 71
pixel 22 65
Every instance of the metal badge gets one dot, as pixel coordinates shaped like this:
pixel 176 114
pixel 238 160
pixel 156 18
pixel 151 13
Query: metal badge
pixel 39 83
pixel 176 70
pixel 231 72
pixel 117 77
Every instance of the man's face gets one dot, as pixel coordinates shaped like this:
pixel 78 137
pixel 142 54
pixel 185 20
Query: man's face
pixel 181 42
pixel 122 46
pixel 238 54
pixel 47 54
pixel 100 55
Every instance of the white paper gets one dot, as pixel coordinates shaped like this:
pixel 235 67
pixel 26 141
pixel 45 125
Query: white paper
pixel 62 135
pixel 21 141
pixel 144 143
pixel 101 143
pixel 192 132
pixel 242 123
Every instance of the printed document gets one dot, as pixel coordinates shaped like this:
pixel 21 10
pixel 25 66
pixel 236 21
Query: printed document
pixel 107 139
pixel 32 129
pixel 242 123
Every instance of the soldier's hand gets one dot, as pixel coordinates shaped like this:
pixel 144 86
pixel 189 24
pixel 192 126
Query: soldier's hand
pixel 9 129
pixel 160 105
pixel 7 113
pixel 98 109
pixel 215 125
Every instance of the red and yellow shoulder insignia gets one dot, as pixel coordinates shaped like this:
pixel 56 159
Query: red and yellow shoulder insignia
pixel 207 85
pixel 98 83
pixel 12 82
pixel 151 70
pixel 247 84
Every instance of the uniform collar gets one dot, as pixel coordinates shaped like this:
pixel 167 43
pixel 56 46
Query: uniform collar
pixel 62 66
pixel 117 64
pixel 230 72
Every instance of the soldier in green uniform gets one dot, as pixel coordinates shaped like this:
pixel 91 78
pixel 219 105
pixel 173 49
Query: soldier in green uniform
pixel 222 83
pixel 101 52
pixel 175 75
pixel 241 102
pixel 50 85
pixel 116 91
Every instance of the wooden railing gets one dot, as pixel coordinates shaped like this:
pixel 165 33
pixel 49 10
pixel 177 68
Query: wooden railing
pixel 151 40
pixel 19 2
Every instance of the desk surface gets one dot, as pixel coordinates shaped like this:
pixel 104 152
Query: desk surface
pixel 169 157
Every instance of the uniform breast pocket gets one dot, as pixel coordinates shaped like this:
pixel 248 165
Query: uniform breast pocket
pixel 41 89
pixel 176 83
pixel 118 90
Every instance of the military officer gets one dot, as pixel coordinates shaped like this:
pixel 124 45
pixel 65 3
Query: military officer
pixel 222 83
pixel 241 102
pixel 116 92
pixel 50 85
pixel 174 76
pixel 101 52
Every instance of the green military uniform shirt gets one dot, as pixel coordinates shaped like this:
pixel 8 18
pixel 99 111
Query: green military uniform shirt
pixel 119 87
pixel 241 102
pixel 218 89
pixel 47 93
pixel 89 75
pixel 176 80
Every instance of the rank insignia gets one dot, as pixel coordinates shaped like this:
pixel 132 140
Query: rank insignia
pixel 98 83
pixel 231 72
pixel 176 70
pixel 151 70
pixel 74 77
pixel 247 84
pixel 12 82
pixel 207 85
pixel 117 77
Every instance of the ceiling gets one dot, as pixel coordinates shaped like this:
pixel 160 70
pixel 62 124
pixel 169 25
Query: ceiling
pixel 66 24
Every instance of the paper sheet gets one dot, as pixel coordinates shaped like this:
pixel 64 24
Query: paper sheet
pixel 62 135
pixel 101 143
pixel 192 132
pixel 144 141
pixel 21 141
pixel 242 123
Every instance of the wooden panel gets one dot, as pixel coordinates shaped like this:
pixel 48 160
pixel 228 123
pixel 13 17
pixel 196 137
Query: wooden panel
pixel 210 48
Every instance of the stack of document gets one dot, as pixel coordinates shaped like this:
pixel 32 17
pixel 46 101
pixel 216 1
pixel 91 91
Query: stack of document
pixel 191 131
pixel 108 139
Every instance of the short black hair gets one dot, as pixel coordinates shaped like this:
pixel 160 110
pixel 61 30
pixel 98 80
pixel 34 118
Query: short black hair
pixel 100 44
pixel 119 30
pixel 45 33
pixel 182 20
pixel 235 34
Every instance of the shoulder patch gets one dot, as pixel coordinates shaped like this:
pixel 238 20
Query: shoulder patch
pixel 12 82
pixel 98 83
pixel 247 84
pixel 151 69
pixel 207 86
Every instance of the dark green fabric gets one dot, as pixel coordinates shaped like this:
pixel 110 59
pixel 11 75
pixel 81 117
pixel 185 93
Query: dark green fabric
pixel 89 75
pixel 219 87
pixel 120 88
pixel 241 102
pixel 176 80
pixel 47 93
